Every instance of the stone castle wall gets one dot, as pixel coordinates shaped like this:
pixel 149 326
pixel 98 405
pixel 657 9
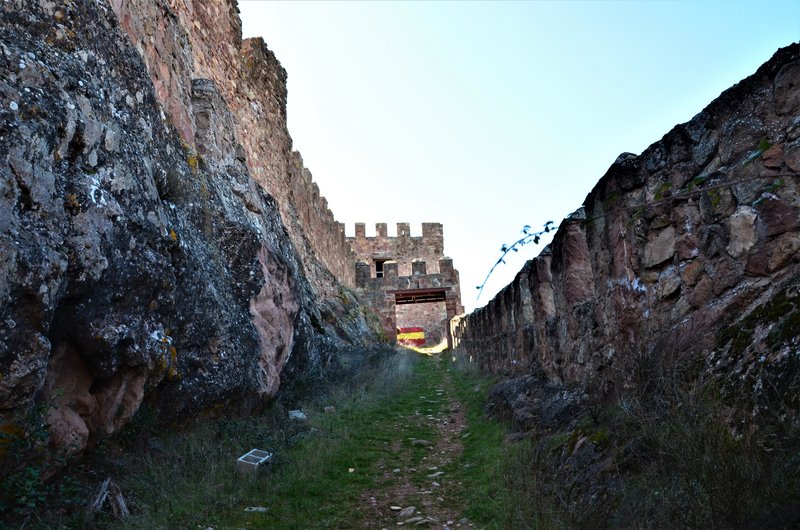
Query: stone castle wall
pixel 691 249
pixel 390 270
pixel 402 248
pixel 380 293
pixel 181 40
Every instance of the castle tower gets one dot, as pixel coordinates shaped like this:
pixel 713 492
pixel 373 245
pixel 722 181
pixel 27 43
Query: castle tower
pixel 408 281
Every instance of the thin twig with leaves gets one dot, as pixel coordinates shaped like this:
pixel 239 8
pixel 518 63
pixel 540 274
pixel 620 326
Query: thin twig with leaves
pixel 528 237
pixel 693 188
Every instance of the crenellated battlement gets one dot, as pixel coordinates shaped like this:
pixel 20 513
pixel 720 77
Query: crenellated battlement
pixel 202 39
pixel 402 248
pixel 430 231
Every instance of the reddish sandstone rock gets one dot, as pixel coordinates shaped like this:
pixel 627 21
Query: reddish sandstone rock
pixel 687 247
pixel 274 309
pixel 784 250
pixel 692 271
pixel 778 216
pixel 68 429
pixel 577 266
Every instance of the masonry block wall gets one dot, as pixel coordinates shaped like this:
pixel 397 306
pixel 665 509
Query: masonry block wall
pixel 326 234
pixel 685 255
pixel 402 248
pixel 407 280
pixel 182 40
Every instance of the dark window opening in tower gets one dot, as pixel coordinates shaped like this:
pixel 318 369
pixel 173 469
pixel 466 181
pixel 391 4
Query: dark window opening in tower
pixel 379 267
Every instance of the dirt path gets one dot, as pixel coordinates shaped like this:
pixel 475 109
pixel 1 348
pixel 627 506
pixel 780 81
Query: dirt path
pixel 415 488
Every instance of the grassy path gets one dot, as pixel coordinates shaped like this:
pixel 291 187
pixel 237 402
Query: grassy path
pixel 417 483
pixel 407 446
pixel 392 456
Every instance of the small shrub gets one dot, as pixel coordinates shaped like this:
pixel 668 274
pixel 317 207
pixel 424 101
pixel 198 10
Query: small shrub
pixel 24 462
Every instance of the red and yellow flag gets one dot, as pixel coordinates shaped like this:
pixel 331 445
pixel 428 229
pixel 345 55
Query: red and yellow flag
pixel 412 335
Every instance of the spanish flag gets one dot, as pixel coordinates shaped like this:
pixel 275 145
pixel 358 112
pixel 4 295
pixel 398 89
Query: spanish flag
pixel 413 335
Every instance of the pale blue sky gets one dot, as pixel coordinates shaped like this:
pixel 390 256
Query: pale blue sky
pixel 487 116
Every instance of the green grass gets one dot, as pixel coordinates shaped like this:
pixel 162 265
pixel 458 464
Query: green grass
pixel 310 485
pixel 675 467
pixel 188 480
pixel 480 464
pixel 677 462
pixel 503 488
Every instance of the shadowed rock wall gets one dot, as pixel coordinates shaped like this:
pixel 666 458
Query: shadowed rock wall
pixel 691 250
pixel 139 258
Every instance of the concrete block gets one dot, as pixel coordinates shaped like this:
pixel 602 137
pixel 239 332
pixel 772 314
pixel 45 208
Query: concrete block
pixel 253 462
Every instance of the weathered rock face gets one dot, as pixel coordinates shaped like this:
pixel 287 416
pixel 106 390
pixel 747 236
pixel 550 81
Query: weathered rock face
pixel 529 403
pixel 182 40
pixel 133 265
pixel 689 250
